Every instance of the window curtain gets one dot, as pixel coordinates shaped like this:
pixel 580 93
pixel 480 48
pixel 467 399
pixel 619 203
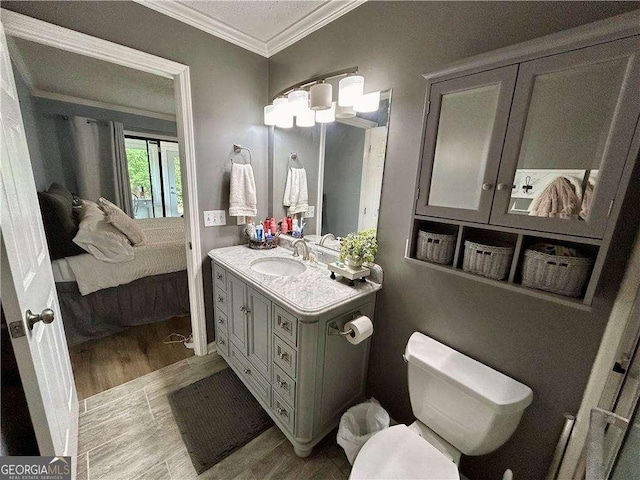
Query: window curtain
pixel 122 185
pixel 100 161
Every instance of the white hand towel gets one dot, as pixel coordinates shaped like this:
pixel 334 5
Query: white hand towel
pixel 242 192
pixel 296 196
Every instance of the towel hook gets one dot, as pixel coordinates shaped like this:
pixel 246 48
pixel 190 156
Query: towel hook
pixel 237 149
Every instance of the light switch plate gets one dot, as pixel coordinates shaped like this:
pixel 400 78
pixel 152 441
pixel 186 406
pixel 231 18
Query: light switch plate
pixel 242 220
pixel 311 212
pixel 214 218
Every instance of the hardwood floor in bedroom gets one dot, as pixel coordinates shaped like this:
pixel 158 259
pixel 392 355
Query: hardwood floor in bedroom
pixel 101 364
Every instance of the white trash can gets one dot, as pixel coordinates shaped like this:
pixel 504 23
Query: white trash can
pixel 359 424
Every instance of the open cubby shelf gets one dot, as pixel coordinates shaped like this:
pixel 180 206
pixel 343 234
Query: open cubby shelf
pixel 519 240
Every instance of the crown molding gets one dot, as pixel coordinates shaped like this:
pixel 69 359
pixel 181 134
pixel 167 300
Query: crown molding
pixel 207 24
pixel 320 17
pixel 104 105
pixel 317 19
pixel 18 61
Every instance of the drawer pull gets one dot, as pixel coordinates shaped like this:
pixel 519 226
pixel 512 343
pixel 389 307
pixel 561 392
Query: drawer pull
pixel 221 342
pixel 219 276
pixel 220 299
pixel 282 411
pixel 284 325
pixel 244 310
pixel 282 384
pixel 247 371
pixel 284 356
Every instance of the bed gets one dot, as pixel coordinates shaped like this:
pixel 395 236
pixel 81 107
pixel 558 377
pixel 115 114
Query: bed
pixel 99 298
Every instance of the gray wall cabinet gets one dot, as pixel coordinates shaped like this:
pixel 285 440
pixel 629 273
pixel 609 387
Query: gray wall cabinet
pixel 304 377
pixel 529 149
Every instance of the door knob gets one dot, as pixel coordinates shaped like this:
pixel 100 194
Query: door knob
pixel 47 316
pixel 487 186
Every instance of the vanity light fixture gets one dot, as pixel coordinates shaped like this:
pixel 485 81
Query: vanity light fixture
pixel 328 115
pixel 320 96
pixel 311 101
pixel 270 115
pixel 369 102
pixel 350 90
pixel 345 112
pixel 298 101
pixel 306 118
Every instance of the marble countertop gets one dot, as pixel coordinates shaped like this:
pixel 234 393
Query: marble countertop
pixel 308 294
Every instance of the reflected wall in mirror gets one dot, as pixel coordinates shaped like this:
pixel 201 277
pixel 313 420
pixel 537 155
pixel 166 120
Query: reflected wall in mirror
pixel 565 137
pixel 344 165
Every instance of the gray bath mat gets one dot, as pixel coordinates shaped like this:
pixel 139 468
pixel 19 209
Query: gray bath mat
pixel 216 416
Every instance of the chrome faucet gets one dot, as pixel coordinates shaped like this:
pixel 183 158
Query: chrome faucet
pixel 325 237
pixel 305 248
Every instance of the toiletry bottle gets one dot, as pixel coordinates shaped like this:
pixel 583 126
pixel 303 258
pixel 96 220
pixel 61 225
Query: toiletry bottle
pixel 251 231
pixel 289 224
pixel 296 229
pixel 283 225
pixel 259 232
pixel 274 229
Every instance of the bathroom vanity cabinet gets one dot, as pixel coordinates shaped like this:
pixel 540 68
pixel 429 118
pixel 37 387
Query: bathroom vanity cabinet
pixel 301 374
pixel 503 129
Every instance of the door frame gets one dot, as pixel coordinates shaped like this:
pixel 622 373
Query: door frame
pixel 28 28
pixel 573 462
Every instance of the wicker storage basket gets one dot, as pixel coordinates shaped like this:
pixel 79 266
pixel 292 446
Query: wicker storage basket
pixel 436 247
pixel 554 273
pixel 487 260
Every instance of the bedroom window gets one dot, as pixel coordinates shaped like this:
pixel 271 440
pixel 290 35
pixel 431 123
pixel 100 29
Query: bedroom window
pixel 154 173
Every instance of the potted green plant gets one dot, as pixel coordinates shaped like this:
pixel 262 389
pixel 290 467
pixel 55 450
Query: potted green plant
pixel 358 248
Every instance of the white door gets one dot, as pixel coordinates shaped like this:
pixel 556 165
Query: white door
pixel 27 284
pixel 372 171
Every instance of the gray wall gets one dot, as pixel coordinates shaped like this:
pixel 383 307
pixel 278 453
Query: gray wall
pixel 228 86
pixel 306 143
pixel 548 347
pixel 343 158
pixel 45 171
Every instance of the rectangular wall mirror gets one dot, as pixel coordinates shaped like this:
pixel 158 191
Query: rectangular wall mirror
pixel 344 165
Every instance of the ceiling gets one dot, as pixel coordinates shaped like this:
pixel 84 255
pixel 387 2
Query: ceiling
pixel 61 75
pixel 264 27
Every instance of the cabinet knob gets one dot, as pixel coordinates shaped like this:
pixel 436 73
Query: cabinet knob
pixel 247 371
pixel 220 320
pixel 281 411
pixel 282 384
pixel 219 276
pixel 220 299
pixel 487 186
pixel 506 186
pixel 284 325
pixel 244 309
pixel 221 342
pixel 283 355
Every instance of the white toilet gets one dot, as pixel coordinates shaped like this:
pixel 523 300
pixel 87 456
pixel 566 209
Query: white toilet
pixel 461 406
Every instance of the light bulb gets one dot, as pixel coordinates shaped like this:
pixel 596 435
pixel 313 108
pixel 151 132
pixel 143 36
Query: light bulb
pixel 328 115
pixel 368 103
pixel 298 101
pixel 350 90
pixel 284 118
pixel 345 112
pixel 320 96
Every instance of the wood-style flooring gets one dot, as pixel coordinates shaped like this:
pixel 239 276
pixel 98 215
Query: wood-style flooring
pixel 105 363
pixel 129 433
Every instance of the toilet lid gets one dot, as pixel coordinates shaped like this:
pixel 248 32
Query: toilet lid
pixel 399 453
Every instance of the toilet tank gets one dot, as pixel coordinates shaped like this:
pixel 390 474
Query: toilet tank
pixel 472 406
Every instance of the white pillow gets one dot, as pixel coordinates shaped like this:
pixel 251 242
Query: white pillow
pixel 101 239
pixel 123 222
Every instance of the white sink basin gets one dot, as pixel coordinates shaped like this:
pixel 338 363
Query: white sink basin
pixel 278 267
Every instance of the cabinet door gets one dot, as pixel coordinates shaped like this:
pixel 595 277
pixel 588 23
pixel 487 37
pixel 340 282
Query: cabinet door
pixel 571 126
pixel 237 292
pixel 259 332
pixel 463 140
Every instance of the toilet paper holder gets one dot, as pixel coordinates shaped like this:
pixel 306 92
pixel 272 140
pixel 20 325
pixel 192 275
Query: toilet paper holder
pixel 334 330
